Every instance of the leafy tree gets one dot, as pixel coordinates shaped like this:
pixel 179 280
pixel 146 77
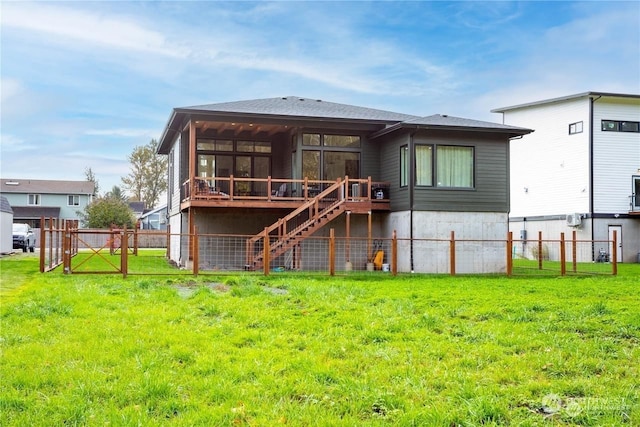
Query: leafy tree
pixel 104 212
pixel 91 177
pixel 148 177
pixel 117 193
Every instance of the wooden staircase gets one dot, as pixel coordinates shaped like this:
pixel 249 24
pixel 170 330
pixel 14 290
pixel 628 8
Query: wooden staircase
pixel 290 231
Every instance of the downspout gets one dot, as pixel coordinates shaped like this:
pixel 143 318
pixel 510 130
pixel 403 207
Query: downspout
pixel 411 191
pixel 591 192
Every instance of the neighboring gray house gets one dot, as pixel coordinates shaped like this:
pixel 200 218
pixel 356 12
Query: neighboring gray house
pixel 155 219
pixel 238 167
pixel 6 222
pixel 32 199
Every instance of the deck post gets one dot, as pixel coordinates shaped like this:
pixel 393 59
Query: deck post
pixel 267 252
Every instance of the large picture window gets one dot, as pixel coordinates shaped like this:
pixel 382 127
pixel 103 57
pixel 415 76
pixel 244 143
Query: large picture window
pixel 454 166
pixel 333 156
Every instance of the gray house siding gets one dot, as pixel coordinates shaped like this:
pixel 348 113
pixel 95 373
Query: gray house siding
pixel 491 192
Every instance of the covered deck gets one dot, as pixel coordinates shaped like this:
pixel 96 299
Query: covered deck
pixel 360 195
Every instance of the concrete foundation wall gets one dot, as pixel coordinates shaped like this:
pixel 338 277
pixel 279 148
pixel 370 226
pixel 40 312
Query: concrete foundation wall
pixel 432 256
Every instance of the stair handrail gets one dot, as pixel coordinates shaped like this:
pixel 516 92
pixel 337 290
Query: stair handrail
pixel 282 222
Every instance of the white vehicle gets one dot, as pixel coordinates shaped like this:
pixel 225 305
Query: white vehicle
pixel 23 237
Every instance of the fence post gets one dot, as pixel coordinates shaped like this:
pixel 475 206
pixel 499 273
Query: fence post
pixel 196 252
pixel 42 243
pixel 267 252
pixel 168 255
pixel 394 253
pixel 135 240
pixel 332 253
pixel 124 251
pixel 614 254
pixel 59 242
pixel 509 253
pixel 66 250
pixel 539 250
pixel 452 254
pixel 574 250
pixel 563 256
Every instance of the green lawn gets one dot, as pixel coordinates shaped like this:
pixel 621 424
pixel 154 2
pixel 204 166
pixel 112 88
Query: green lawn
pixel 300 350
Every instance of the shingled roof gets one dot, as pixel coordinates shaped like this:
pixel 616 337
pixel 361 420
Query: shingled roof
pixel 298 109
pixel 38 186
pixel 296 106
pixel 443 121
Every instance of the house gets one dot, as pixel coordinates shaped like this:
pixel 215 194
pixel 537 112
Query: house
pixel 291 165
pixel 6 223
pixel 154 219
pixel 32 199
pixel 138 209
pixel 580 170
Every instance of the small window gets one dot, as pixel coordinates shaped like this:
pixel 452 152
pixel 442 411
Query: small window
pixel 341 141
pixel 404 166
pixel 244 146
pixel 311 139
pixel 34 200
pixel 629 126
pixel 575 128
pixel 610 125
pixel 620 126
pixel 73 200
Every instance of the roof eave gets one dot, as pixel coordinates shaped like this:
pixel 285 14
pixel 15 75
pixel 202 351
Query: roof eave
pixel 514 132
pixel 565 98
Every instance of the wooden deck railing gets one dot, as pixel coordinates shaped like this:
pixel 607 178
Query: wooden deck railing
pixel 277 189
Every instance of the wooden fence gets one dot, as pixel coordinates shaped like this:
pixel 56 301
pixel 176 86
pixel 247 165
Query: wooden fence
pixel 119 251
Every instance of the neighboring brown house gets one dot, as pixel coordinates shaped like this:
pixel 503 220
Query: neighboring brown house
pixel 239 167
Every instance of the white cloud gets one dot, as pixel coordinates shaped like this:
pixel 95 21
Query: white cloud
pixel 12 143
pixel 77 26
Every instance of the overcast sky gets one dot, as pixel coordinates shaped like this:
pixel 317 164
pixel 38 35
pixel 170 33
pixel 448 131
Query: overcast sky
pixel 83 83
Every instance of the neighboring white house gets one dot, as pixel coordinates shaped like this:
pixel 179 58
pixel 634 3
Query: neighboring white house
pixel 6 222
pixel 32 199
pixel 579 170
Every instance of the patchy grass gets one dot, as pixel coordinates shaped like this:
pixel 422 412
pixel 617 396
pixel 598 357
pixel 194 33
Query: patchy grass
pixel 296 350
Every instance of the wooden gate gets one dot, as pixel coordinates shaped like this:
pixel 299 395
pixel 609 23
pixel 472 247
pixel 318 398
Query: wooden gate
pixel 96 251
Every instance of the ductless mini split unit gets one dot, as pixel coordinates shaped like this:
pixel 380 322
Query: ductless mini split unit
pixel 574 220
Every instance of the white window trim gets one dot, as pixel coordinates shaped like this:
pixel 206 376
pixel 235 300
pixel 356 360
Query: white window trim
pixel 36 197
